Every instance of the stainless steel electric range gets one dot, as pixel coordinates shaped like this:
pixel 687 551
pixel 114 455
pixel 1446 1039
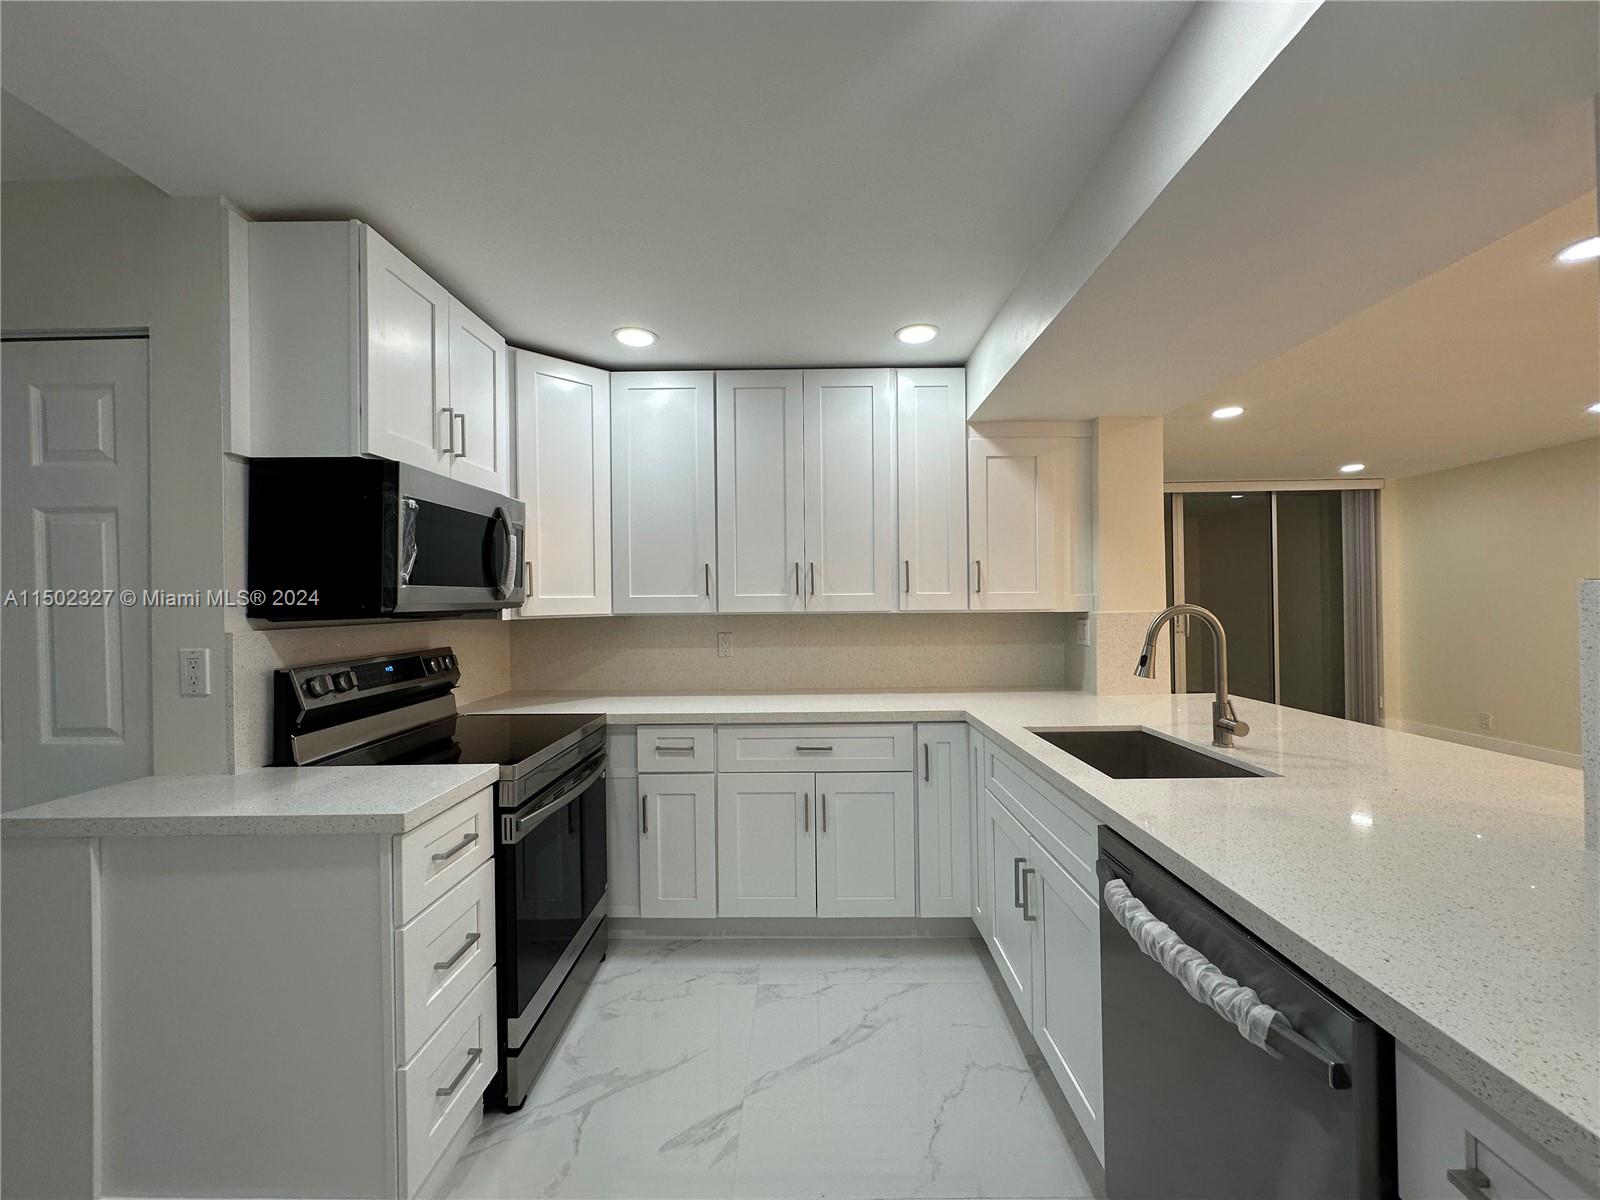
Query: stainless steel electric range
pixel 550 837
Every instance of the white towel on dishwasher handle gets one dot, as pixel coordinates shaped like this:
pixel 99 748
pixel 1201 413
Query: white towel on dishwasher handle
pixel 1200 977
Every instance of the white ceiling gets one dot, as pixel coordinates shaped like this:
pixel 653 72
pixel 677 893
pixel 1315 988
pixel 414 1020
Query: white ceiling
pixel 778 184
pixel 33 147
pixel 1494 355
pixel 1385 142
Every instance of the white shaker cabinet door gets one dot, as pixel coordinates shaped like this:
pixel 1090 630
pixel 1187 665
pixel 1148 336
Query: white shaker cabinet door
pixel 663 492
pixel 1012 941
pixel 766 844
pixel 564 478
pixel 849 492
pixel 760 491
pixel 479 438
pixel 405 359
pixel 866 845
pixel 1012 484
pixel 931 416
pixel 1066 997
pixel 677 846
pixel 982 865
pixel 944 821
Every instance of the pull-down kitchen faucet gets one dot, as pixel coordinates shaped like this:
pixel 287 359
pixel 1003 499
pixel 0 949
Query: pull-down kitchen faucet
pixel 1224 724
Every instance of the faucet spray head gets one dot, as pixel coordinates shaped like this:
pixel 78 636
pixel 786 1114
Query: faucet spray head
pixel 1147 662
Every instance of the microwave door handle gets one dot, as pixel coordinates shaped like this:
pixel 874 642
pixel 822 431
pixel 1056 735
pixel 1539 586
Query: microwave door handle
pixel 507 583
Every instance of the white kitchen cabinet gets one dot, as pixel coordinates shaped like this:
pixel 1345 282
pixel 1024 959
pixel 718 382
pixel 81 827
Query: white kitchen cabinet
pixel 1031 522
pixel 663 492
pixel 766 845
pixel 677 845
pixel 760 491
pixel 479 437
pixel 564 478
pixel 849 491
pixel 944 821
pixel 814 748
pixel 1066 986
pixel 931 417
pixel 355 350
pixel 866 844
pixel 1012 942
pixel 982 894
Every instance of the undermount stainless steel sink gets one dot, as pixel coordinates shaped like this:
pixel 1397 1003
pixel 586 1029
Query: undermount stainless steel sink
pixel 1140 754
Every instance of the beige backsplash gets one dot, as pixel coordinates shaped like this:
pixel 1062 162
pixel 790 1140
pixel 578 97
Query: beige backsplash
pixel 808 652
pixel 481 645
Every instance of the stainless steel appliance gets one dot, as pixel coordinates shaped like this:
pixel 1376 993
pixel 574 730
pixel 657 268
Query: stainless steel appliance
pixel 348 539
pixel 1193 1109
pixel 550 846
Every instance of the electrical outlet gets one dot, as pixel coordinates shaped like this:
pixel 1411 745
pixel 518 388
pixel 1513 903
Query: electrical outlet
pixel 1083 631
pixel 724 645
pixel 194 672
pixel 1486 722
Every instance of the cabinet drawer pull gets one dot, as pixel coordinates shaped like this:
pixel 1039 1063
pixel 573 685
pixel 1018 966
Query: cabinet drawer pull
pixel 1016 882
pixel 447 855
pixel 674 749
pixel 1470 1182
pixel 473 1056
pixel 1026 914
pixel 472 940
pixel 827 749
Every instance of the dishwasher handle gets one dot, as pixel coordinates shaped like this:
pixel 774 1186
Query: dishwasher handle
pixel 1209 985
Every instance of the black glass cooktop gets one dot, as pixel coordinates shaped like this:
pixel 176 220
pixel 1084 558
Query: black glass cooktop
pixel 512 738
pixel 531 748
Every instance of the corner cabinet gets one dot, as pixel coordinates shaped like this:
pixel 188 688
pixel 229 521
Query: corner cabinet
pixel 564 478
pixel 663 492
pixel 931 414
pixel 1031 512
pixel 354 349
pixel 849 491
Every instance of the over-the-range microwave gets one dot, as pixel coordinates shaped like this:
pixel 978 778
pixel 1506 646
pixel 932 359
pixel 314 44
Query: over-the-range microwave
pixel 361 539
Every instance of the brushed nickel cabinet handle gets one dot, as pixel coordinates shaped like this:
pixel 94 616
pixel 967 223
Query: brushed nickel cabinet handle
pixel 797 579
pixel 927 762
pixel 812 568
pixel 805 813
pixel 473 1056
pixel 461 417
pixel 824 812
pixel 1026 915
pixel 1016 882
pixel 447 855
pixel 979 564
pixel 708 579
pixel 472 940
pixel 644 815
pixel 908 576
pixel 828 749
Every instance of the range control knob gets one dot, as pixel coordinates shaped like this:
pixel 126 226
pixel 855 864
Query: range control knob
pixel 450 662
pixel 344 680
pixel 430 665
pixel 319 685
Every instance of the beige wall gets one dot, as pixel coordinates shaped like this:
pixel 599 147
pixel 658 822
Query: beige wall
pixel 773 653
pixel 1480 581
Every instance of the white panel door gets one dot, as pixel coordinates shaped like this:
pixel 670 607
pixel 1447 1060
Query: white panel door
pixel 944 821
pixel 677 846
pixel 1075 523
pixel 760 491
pixel 663 492
pixel 766 845
pixel 866 844
pixel 1066 995
pixel 480 402
pixel 849 432
pixel 1012 941
pixel 1013 522
pixel 931 416
pixel 564 478
pixel 405 359
pixel 982 867
pixel 76 475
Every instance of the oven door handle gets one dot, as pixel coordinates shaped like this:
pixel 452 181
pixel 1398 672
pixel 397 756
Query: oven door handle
pixel 520 826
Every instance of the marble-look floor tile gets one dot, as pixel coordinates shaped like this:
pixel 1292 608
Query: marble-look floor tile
pixel 784 1068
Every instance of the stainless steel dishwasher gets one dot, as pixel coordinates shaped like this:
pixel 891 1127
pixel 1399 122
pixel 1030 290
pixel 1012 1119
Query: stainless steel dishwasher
pixel 1192 1108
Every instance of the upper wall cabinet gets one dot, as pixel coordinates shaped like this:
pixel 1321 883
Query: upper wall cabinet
pixel 564 477
pixel 760 491
pixel 663 492
pixel 849 491
pixel 1031 513
pixel 931 412
pixel 353 350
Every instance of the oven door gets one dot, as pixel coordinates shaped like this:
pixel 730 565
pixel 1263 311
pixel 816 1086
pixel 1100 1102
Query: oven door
pixel 550 891
pixel 456 547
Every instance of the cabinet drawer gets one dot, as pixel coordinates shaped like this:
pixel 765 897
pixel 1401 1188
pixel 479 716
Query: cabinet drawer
pixel 1063 828
pixel 814 748
pixel 440 954
pixel 437 855
pixel 440 1088
pixel 675 748
pixel 1440 1131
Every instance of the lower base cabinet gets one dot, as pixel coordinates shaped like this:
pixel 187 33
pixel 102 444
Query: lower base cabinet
pixel 1011 935
pixel 677 845
pixel 866 845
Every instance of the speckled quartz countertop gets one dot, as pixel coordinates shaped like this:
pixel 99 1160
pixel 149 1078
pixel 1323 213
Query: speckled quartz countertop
pixel 1443 890
pixel 271 800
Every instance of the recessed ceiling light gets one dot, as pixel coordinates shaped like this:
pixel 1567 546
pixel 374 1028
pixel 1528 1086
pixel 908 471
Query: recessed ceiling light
pixel 1227 412
pixel 915 335
pixel 1580 251
pixel 1594 408
pixel 634 335
pixel 1352 468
